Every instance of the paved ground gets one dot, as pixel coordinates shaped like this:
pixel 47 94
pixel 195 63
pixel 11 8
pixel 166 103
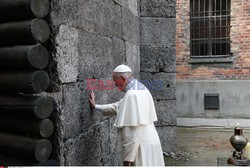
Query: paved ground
pixel 202 141
pixel 212 123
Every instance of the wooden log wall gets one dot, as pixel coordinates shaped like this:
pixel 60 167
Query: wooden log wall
pixel 25 125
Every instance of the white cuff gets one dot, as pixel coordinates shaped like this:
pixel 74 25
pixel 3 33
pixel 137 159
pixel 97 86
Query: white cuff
pixel 98 107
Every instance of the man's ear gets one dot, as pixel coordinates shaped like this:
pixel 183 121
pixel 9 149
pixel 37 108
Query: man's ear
pixel 124 79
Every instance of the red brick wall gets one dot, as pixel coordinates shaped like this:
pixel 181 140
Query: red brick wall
pixel 240 45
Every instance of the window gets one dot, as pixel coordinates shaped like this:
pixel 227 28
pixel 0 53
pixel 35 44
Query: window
pixel 210 28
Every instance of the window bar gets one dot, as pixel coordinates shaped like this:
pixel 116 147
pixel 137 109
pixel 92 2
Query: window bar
pixel 192 15
pixel 204 24
pixel 209 30
pixel 199 29
pixel 227 28
pixel 193 30
pixel 215 29
pixel 220 25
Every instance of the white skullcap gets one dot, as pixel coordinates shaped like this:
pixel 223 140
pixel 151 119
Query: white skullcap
pixel 122 69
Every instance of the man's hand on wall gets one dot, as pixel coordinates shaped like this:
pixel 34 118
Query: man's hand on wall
pixel 92 100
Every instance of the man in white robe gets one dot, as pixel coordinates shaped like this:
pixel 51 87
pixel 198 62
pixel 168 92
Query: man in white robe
pixel 135 116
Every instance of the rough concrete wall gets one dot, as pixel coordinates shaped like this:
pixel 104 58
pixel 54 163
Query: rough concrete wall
pixel 234 98
pixel 239 36
pixel 157 26
pixel 91 37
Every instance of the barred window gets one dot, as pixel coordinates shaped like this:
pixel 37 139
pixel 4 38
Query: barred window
pixel 210 28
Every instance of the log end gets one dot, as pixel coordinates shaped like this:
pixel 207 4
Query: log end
pixel 40 8
pixel 43 150
pixel 40 81
pixel 46 128
pixel 38 57
pixel 40 30
pixel 44 108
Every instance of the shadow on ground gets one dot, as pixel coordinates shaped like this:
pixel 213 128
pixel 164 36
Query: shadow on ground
pixel 201 146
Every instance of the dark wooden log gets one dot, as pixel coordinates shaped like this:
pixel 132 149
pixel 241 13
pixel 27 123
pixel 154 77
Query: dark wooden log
pixel 23 9
pixel 24 147
pixel 6 160
pixel 24 82
pixel 32 107
pixel 42 128
pixel 50 162
pixel 24 57
pixel 24 32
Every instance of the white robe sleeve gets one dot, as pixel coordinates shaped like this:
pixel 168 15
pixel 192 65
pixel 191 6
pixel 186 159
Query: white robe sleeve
pixel 108 109
pixel 131 139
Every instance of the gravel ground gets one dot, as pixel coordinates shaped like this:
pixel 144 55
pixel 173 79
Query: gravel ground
pixel 201 146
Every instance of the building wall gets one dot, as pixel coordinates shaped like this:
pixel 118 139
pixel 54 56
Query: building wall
pixel 234 98
pixel 240 49
pixel 157 26
pixel 91 37
pixel 223 75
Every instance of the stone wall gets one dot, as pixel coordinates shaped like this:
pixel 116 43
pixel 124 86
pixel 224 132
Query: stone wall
pixel 91 37
pixel 157 26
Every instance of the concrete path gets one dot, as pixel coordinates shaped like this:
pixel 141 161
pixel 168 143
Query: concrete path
pixel 213 123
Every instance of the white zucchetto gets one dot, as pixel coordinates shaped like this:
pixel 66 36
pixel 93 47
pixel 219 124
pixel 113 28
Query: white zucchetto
pixel 122 69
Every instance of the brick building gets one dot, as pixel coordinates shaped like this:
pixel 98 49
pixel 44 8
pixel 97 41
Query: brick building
pixel 212 58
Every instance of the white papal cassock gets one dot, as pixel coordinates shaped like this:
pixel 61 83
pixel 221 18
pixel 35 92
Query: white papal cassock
pixel 135 116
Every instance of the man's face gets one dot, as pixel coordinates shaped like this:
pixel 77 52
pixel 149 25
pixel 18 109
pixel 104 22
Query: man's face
pixel 120 81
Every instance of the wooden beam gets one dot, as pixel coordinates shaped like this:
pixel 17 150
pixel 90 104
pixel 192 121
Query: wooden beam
pixel 24 32
pixel 24 57
pixel 6 161
pixel 24 147
pixel 32 107
pixel 24 82
pixel 12 124
pixel 23 9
